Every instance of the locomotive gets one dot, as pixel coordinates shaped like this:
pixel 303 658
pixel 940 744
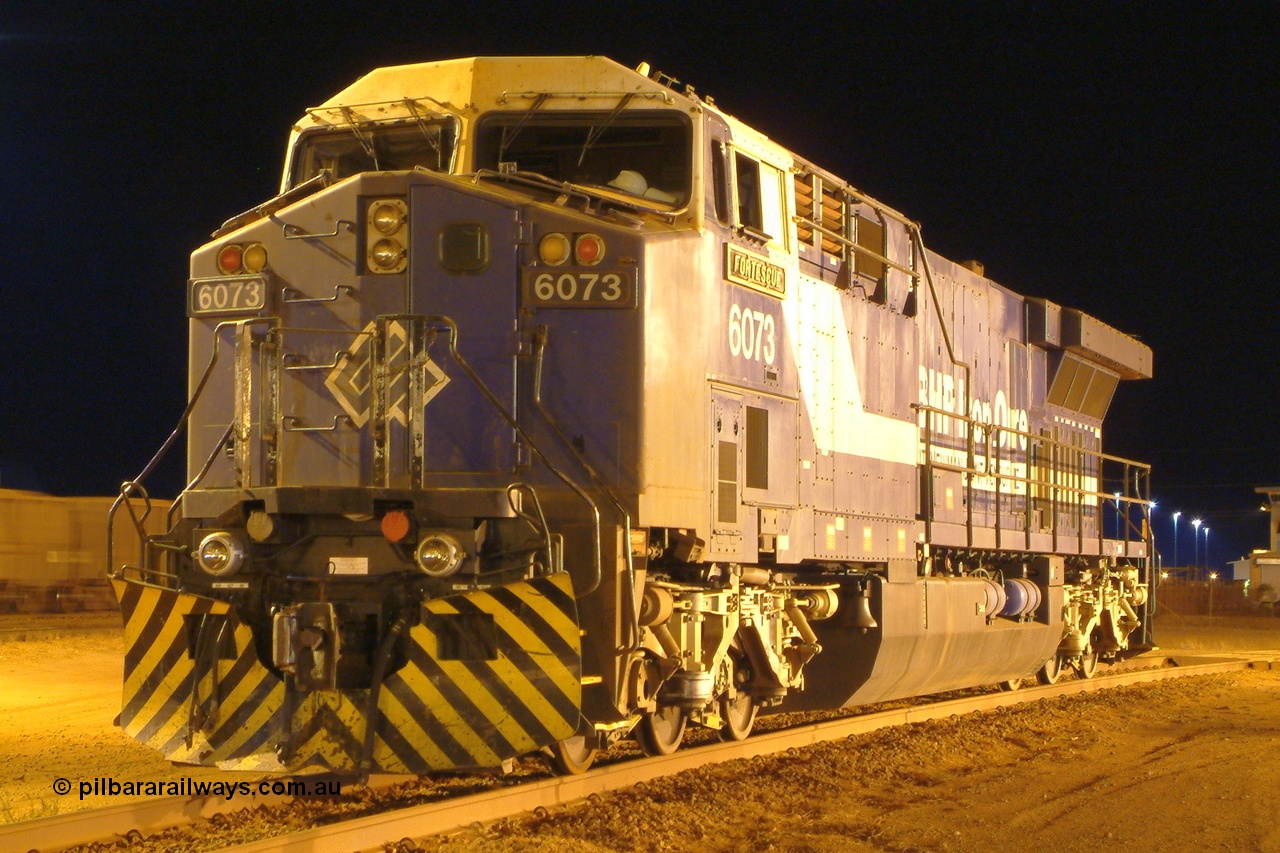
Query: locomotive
pixel 549 405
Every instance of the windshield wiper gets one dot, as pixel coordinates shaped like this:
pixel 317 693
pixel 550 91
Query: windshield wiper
pixel 366 144
pixel 509 134
pixel 594 133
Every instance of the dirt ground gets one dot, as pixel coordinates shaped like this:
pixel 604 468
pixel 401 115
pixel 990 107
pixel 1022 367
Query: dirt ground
pixel 58 698
pixel 1179 766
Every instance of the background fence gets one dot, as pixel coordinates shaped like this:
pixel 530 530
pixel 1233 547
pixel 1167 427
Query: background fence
pixel 1201 598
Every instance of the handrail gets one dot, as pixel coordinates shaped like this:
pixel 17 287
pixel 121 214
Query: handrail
pixel 540 338
pixel 338 289
pixel 665 97
pixel 290 424
pixel 857 247
pixel 338 358
pixel 1135 473
pixel 137 482
pixel 294 232
pixel 923 256
pixel 410 105
pixel 452 339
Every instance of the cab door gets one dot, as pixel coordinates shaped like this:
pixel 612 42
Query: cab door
pixel 464 266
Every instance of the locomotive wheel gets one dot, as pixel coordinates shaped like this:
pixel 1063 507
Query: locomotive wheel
pixel 739 709
pixel 1048 674
pixel 659 733
pixel 1011 685
pixel 1087 665
pixel 574 755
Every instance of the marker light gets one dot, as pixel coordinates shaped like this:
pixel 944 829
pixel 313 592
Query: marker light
pixel 220 554
pixel 553 248
pixel 254 258
pixel 260 526
pixel 396 525
pixel 230 259
pixel 588 249
pixel 438 555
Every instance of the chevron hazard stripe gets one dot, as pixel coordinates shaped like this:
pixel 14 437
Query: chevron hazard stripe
pixel 489 675
pixel 492 674
pixel 227 714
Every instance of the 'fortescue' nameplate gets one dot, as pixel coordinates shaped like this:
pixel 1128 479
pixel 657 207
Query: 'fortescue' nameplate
pixel 754 272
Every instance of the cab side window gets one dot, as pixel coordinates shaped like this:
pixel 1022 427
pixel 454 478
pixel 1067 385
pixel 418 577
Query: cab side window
pixel 762 202
pixel 773 203
pixel 749 210
pixel 720 181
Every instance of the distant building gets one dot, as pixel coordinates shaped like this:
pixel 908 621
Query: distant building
pixel 1262 568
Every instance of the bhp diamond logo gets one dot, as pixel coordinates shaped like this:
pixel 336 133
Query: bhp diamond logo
pixel 351 379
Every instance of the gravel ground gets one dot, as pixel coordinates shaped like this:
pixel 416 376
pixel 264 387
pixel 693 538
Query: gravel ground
pixel 1179 766
pixel 1176 767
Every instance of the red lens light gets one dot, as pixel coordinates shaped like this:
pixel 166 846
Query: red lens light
pixel 230 259
pixel 396 525
pixel 589 249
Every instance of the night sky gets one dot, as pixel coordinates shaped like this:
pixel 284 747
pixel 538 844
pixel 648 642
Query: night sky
pixel 1117 159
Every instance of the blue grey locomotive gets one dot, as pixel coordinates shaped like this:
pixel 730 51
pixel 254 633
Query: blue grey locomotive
pixel 548 404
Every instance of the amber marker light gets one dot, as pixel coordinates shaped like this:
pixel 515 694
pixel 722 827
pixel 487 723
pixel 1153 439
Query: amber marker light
pixel 553 249
pixel 589 249
pixel 255 258
pixel 230 259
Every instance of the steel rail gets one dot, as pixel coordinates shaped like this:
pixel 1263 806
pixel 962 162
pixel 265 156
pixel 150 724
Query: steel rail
pixel 370 833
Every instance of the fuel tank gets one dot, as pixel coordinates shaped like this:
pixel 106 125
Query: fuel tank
pixel 931 635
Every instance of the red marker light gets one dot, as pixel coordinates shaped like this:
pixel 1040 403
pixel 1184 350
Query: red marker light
pixel 396 525
pixel 589 249
pixel 230 259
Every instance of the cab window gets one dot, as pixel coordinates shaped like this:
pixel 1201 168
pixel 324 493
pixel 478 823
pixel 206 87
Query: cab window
pixel 761 199
pixel 773 204
pixel 384 148
pixel 749 211
pixel 647 153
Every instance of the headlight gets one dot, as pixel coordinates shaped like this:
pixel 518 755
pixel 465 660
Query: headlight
pixel 220 554
pixel 438 555
pixel 386 234
pixel 387 254
pixel 387 217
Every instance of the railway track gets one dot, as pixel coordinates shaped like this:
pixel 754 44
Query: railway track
pixel 146 817
pixel 15 627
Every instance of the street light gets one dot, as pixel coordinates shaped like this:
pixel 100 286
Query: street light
pixel 1116 495
pixel 1213 576
pixel 1206 549
pixel 1175 538
pixel 1195 542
